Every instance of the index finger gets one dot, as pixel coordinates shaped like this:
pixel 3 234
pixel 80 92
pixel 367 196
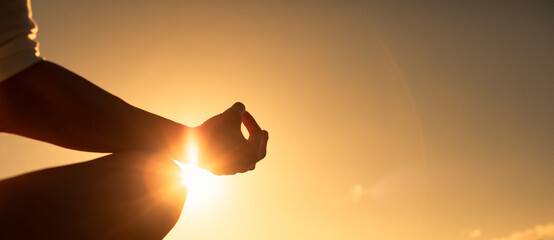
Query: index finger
pixel 251 124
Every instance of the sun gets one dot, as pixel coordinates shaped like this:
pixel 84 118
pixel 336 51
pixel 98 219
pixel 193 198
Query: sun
pixel 202 185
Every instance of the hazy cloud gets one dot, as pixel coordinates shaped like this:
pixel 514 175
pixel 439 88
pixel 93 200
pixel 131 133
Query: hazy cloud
pixel 475 233
pixel 539 232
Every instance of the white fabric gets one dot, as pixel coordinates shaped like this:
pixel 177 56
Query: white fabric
pixel 18 48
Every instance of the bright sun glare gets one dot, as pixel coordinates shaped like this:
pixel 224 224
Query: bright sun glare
pixel 201 184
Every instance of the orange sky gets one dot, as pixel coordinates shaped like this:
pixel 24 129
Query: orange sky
pixel 387 121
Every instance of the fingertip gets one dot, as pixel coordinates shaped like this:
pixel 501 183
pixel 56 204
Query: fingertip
pixel 263 145
pixel 238 106
pixel 265 135
pixel 265 138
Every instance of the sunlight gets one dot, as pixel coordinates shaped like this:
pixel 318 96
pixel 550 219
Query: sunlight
pixel 192 154
pixel 201 183
pixel 196 179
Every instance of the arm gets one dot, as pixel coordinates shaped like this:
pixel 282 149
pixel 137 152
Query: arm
pixel 49 103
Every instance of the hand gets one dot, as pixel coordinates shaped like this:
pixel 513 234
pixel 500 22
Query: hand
pixel 223 150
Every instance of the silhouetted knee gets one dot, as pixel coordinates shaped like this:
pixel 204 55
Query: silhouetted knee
pixel 127 195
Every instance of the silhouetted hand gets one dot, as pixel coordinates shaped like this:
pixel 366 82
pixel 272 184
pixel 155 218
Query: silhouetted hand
pixel 223 150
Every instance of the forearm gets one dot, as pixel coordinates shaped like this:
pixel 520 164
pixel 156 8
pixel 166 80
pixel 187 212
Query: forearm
pixel 49 103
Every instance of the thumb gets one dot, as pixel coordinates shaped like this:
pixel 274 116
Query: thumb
pixel 236 112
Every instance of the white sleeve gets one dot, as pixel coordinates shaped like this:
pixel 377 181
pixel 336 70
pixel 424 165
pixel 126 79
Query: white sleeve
pixel 18 48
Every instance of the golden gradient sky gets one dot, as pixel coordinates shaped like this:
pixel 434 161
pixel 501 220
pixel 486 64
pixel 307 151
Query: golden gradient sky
pixel 387 121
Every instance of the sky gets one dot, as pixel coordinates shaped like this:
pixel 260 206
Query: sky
pixel 387 120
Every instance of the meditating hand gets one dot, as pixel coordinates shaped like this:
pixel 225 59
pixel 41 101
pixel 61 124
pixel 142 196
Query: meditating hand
pixel 223 150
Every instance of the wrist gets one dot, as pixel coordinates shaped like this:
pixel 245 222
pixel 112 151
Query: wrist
pixel 176 138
